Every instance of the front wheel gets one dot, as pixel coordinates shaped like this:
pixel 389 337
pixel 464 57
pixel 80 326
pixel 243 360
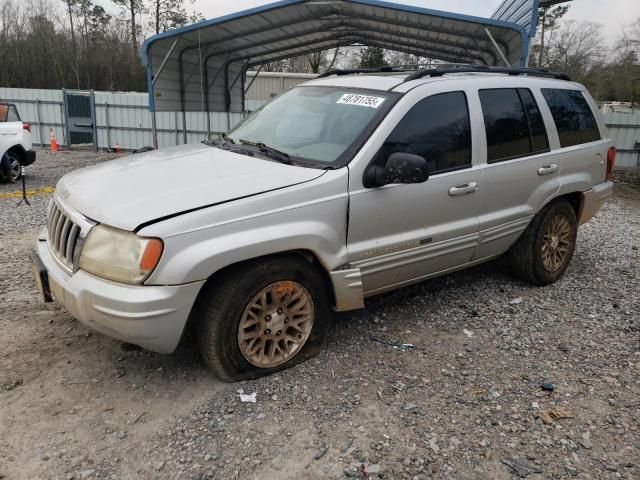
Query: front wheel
pixel 262 317
pixel 543 253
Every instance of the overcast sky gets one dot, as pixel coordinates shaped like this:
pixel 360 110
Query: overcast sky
pixel 613 14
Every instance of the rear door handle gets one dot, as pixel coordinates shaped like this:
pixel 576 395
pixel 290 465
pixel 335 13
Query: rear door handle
pixel 463 189
pixel 548 169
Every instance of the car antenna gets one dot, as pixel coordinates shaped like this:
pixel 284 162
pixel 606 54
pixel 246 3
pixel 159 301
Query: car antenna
pixel 24 188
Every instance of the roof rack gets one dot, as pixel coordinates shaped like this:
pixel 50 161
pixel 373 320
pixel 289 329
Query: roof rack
pixel 439 72
pixel 391 69
pixel 352 71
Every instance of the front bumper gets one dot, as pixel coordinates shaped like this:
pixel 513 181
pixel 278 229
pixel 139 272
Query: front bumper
pixel 592 200
pixel 152 317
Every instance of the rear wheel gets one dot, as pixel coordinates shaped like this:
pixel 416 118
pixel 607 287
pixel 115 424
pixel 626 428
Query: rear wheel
pixel 262 317
pixel 543 253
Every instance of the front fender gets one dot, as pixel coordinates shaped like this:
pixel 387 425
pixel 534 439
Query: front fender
pixel 310 216
pixel 206 255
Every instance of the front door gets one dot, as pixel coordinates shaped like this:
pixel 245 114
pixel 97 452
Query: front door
pixel 399 234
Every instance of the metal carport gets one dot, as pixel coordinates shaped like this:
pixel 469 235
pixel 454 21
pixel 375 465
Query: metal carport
pixel 201 67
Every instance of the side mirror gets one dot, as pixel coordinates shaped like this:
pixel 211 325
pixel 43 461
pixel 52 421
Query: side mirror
pixel 400 168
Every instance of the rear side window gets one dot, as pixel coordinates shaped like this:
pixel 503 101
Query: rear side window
pixel 513 124
pixel 12 115
pixel 8 113
pixel 437 128
pixel 572 115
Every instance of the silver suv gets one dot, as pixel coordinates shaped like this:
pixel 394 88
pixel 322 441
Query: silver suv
pixel 339 189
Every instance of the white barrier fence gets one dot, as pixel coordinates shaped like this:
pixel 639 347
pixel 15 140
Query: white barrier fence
pixel 121 118
pixel 624 129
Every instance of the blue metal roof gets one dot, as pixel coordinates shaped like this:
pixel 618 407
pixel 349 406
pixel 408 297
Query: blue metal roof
pixel 201 67
pixel 522 12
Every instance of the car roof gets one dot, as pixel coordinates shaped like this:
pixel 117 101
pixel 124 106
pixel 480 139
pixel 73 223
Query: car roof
pixel 396 81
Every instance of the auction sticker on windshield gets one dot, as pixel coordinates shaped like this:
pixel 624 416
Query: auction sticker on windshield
pixel 360 100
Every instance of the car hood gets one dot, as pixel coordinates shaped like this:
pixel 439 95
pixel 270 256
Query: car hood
pixel 139 189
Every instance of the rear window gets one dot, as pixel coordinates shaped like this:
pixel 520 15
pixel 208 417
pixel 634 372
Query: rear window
pixel 8 113
pixel 513 124
pixel 13 116
pixel 572 115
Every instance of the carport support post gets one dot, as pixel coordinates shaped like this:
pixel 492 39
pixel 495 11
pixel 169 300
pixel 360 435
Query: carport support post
pixel 182 100
pixel 206 97
pixel 65 119
pixel 184 127
pixel 94 123
pixel 154 129
pixel 106 119
pixel 246 90
pixel 39 118
pixel 497 47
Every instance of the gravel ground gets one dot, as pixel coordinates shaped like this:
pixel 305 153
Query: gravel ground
pixel 439 380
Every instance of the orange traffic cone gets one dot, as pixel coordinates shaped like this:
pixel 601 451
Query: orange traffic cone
pixel 52 141
pixel 117 149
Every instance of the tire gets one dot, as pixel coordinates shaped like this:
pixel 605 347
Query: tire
pixel 10 167
pixel 224 305
pixel 541 255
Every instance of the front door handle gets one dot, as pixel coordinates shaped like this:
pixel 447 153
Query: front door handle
pixel 548 169
pixel 463 189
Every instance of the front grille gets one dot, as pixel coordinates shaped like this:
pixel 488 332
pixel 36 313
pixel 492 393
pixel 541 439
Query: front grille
pixel 64 236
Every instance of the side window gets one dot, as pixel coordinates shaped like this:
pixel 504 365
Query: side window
pixel 12 115
pixel 539 139
pixel 572 115
pixel 513 124
pixel 4 110
pixel 437 128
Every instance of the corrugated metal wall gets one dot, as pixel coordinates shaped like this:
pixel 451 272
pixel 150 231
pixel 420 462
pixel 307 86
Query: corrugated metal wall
pixel 41 108
pixel 123 118
pixel 624 129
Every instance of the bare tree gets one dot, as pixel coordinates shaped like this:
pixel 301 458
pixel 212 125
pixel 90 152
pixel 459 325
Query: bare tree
pixel 548 20
pixel 575 47
pixel 133 8
pixel 168 14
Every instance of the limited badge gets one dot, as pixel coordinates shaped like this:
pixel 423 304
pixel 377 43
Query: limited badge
pixel 360 100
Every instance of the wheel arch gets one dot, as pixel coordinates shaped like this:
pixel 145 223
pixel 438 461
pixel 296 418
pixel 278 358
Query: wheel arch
pixel 575 199
pixel 311 257
pixel 18 150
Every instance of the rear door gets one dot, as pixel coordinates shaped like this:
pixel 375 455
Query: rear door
pixel 520 173
pixel 581 145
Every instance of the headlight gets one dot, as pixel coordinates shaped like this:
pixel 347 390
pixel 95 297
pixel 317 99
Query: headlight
pixel 118 255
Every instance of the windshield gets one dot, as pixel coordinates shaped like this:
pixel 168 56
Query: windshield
pixel 314 123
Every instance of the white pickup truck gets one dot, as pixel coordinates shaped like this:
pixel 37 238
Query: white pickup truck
pixel 16 149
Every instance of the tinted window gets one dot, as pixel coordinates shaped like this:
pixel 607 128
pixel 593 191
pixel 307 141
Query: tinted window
pixel 539 140
pixel 436 128
pixel 573 116
pixel 13 115
pixel 513 124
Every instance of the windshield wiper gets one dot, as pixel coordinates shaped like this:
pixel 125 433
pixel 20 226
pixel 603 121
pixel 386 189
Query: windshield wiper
pixel 228 138
pixel 274 152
